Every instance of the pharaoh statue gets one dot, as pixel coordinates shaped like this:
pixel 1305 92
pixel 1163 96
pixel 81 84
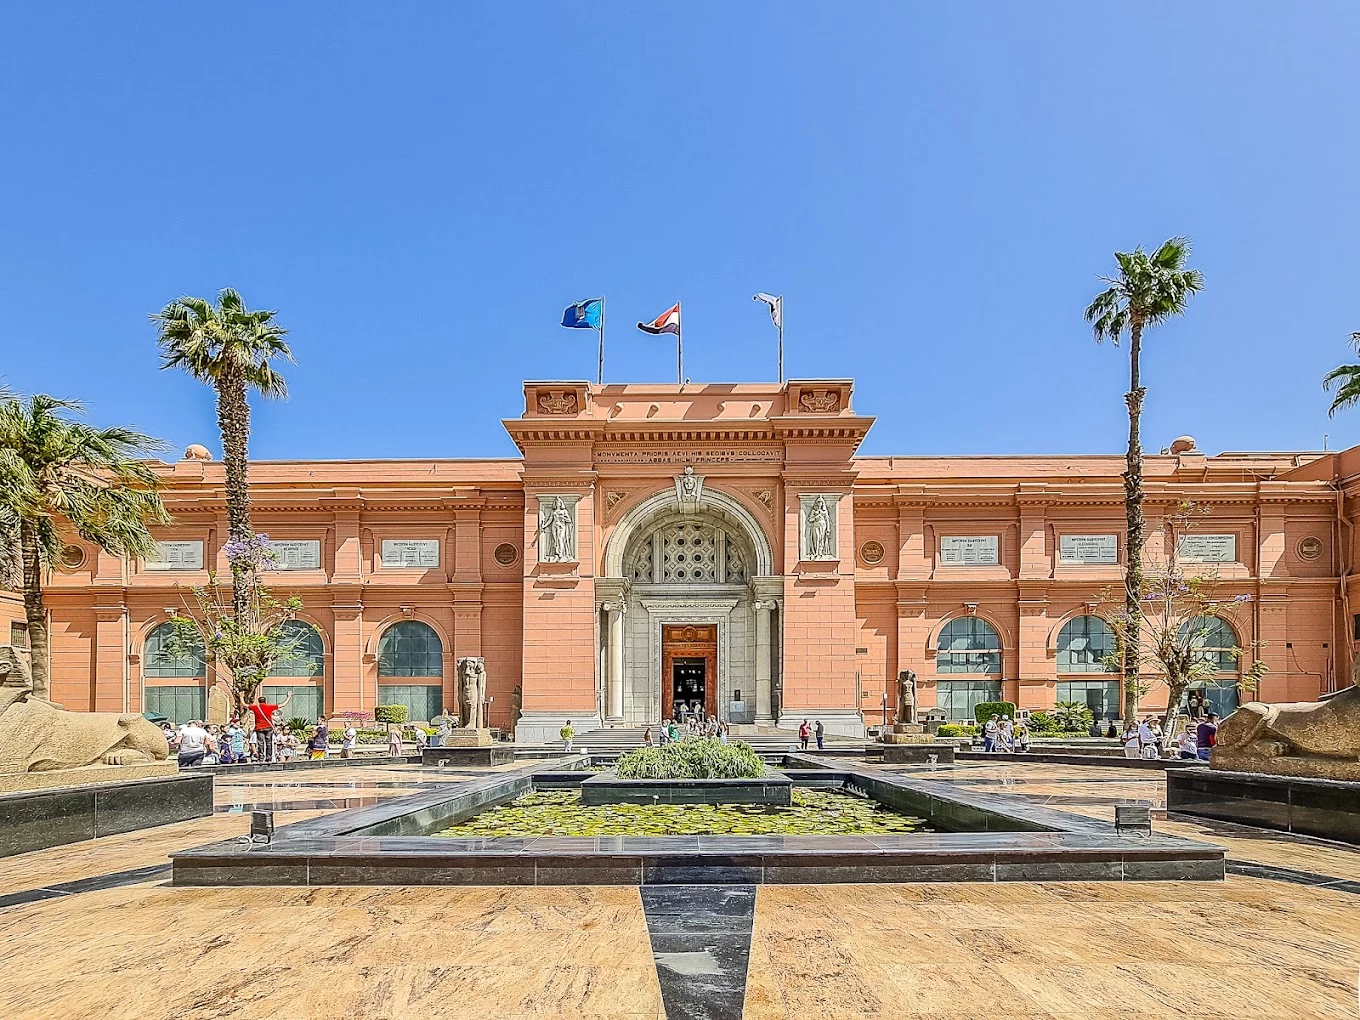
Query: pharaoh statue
pixel 819 530
pixel 1312 739
pixel 472 692
pixel 35 736
pixel 906 697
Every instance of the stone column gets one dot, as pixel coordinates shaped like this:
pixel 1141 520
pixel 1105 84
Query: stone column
pixel 763 664
pixel 614 690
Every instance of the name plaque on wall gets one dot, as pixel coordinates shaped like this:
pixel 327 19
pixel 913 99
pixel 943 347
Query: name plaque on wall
pixel 1088 549
pixel 1208 548
pixel 297 554
pixel 969 550
pixel 176 556
pixel 410 552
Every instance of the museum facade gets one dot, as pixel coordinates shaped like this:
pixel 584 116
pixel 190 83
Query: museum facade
pixel 715 545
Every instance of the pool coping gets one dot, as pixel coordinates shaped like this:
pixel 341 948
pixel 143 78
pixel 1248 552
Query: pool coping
pixel 1014 840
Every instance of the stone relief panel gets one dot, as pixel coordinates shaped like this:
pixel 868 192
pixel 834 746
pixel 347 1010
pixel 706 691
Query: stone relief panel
pixel 817 526
pixel 557 528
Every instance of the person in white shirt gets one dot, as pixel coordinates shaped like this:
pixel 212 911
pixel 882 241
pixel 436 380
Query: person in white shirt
pixel 349 743
pixel 1147 740
pixel 991 731
pixel 193 744
pixel 1132 748
pixel 1186 743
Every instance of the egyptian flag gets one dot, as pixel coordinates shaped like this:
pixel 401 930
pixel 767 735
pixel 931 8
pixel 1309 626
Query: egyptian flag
pixel 667 322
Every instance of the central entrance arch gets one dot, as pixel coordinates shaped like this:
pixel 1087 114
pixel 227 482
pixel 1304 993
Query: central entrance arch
pixel 688 598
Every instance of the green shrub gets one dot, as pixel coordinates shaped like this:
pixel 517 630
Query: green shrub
pixel 1042 724
pixel 391 713
pixel 949 729
pixel 986 709
pixel 298 727
pixel 1073 717
pixel 692 759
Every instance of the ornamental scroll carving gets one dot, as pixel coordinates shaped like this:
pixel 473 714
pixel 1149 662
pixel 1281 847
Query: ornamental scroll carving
pixel 820 401
pixel 558 402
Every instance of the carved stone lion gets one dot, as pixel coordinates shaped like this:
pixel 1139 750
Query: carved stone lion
pixel 38 737
pixel 1317 738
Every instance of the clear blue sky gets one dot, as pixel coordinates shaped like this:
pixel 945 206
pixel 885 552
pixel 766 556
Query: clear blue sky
pixel 420 188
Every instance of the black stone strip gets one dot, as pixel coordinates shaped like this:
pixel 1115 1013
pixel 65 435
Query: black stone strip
pixel 300 766
pixel 1249 870
pixel 1096 760
pixel 82 885
pixel 701 942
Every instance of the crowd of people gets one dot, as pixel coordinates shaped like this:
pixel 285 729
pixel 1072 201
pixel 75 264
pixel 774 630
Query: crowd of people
pixel 1002 735
pixel 1146 739
pixel 692 724
pixel 259 743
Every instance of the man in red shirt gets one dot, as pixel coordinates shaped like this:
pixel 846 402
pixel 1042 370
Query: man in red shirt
pixel 263 711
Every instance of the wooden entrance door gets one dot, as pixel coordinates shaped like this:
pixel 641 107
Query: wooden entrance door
pixel 696 646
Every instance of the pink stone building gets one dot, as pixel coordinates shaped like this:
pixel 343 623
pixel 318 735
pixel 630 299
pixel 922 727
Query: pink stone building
pixel 716 544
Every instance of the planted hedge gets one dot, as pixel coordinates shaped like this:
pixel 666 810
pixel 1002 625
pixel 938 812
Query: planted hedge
pixel 692 759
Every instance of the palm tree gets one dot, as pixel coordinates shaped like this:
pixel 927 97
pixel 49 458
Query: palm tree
pixel 230 348
pixel 1148 291
pixel 1346 381
pixel 61 475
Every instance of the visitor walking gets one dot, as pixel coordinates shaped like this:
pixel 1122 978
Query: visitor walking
pixel 349 743
pixel 722 733
pixel 193 744
pixel 1132 749
pixel 1159 738
pixel 647 737
pixel 1147 740
pixel 674 732
pixel 1007 735
pixel 991 732
pixel 319 740
pixel 394 743
pixel 422 738
pixel 1206 736
pixel 821 734
pixel 566 733
pixel 264 713
pixel 1022 737
pixel 1196 707
pixel 803 734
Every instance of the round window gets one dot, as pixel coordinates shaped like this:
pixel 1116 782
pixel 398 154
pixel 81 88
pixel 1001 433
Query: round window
pixel 1310 548
pixel 506 554
pixel 71 557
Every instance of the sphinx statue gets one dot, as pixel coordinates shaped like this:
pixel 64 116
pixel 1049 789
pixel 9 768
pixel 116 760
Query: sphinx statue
pixel 1318 739
pixel 36 736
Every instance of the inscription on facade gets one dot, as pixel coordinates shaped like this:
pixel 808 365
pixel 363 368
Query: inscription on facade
pixel 296 554
pixel 410 552
pixel 1088 549
pixel 634 455
pixel 176 556
pixel 1208 548
pixel 969 550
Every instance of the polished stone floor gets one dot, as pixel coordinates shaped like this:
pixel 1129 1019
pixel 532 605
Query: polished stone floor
pixel 92 929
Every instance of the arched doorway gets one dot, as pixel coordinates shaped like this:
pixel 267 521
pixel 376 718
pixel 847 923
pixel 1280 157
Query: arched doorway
pixel 689 613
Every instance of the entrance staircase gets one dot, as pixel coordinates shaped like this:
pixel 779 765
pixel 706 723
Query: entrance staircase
pixel 764 739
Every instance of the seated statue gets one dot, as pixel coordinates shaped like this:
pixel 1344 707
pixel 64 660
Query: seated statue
pixel 38 737
pixel 1319 738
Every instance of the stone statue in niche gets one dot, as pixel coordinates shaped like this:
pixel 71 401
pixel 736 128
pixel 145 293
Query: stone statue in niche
pixel 1314 739
pixel 906 696
pixel 557 545
pixel 819 533
pixel 36 736
pixel 472 692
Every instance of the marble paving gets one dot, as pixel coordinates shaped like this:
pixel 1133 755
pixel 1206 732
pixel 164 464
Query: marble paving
pixel 115 941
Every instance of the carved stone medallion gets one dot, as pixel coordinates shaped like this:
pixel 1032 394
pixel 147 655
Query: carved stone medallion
pixel 557 402
pixel 871 552
pixel 820 401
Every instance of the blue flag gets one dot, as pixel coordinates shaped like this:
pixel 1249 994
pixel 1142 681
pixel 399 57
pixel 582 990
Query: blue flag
pixel 583 314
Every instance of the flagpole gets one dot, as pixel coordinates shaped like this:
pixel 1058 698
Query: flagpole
pixel 679 345
pixel 781 339
pixel 601 332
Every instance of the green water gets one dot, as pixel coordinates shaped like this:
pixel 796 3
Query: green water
pixel 561 813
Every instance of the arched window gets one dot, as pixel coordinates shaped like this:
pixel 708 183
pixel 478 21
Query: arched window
pixel 968 645
pixel 1083 643
pixel 170 652
pixel 1214 639
pixel 306 655
pixel 410 648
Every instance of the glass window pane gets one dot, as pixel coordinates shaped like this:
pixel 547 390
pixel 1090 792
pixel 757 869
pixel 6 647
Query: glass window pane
pixel 306 657
pixel 968 645
pixel 423 701
pixel 410 648
pixel 162 658
pixel 1083 644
